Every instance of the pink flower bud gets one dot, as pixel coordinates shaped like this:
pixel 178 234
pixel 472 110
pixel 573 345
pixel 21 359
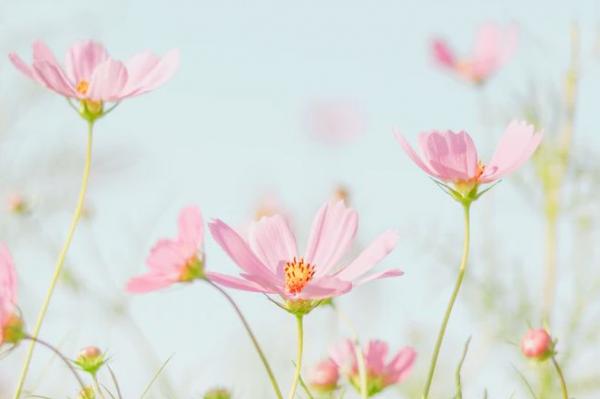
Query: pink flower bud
pixel 324 376
pixel 537 344
pixel 90 359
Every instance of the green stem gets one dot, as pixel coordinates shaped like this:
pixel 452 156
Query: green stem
pixel 61 357
pixel 292 394
pixel 458 284
pixel 260 352
pixel 362 370
pixel 97 386
pixel 59 263
pixel 561 376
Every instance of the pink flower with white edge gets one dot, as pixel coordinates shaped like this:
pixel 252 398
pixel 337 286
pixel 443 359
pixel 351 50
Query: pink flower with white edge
pixel 271 263
pixel 452 157
pixel 380 371
pixel 177 260
pixel 93 77
pixel 494 46
pixel 537 344
pixel 11 325
pixel 324 376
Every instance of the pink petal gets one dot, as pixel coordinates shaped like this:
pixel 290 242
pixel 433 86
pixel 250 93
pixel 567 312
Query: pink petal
pixel 344 355
pixel 443 54
pixel 452 155
pixel 168 256
pixel 236 283
pixel 8 281
pixel 83 58
pixel 191 227
pixel 51 76
pixel 415 157
pixel 149 282
pixel 21 65
pixel 332 232
pixel 370 256
pixel 41 52
pixel 377 276
pixel 493 47
pixel 516 146
pixel 107 81
pixel 272 241
pixel 400 366
pixel 148 71
pixel 324 287
pixel 375 356
pixel 238 250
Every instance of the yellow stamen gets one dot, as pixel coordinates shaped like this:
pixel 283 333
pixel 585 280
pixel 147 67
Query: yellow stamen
pixel 297 275
pixel 82 87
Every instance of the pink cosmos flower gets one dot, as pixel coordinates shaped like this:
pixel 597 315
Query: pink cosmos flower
pixel 452 157
pixel 537 344
pixel 271 263
pixel 336 122
pixel 324 376
pixel 381 373
pixel 494 45
pixel 8 293
pixel 173 261
pixel 91 74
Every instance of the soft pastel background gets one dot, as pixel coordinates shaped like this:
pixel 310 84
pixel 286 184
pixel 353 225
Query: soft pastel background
pixel 231 129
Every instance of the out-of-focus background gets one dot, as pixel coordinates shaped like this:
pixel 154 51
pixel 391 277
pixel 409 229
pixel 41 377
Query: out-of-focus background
pixel 283 105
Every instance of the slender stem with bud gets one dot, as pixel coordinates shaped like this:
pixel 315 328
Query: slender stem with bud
pixel 59 262
pixel 458 284
pixel 259 350
pixel 300 325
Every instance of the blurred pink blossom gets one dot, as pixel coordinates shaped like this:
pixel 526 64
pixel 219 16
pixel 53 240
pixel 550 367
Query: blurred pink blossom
pixel 381 372
pixel 494 46
pixel 91 74
pixel 336 122
pixel 324 376
pixel 452 157
pixel 8 295
pixel 271 264
pixel 537 344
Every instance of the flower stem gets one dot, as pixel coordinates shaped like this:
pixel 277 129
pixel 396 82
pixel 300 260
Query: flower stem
pixel 260 352
pixel 299 320
pixel 62 357
pixel 563 383
pixel 97 386
pixel 59 263
pixel 458 284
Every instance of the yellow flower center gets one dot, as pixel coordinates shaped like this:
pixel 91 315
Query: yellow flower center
pixel 193 269
pixel 82 87
pixel 297 275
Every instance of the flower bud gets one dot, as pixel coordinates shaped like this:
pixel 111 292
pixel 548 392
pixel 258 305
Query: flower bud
pixel 87 393
pixel 324 376
pixel 217 393
pixel 12 332
pixel 90 359
pixel 537 344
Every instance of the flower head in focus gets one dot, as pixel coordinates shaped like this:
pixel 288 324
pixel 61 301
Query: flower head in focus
pixel 452 157
pixel 494 46
pixel 271 263
pixel 11 324
pixel 380 371
pixel 174 260
pixel 94 78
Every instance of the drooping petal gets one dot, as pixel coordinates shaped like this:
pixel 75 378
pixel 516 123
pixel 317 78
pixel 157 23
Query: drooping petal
pixel 415 157
pixel 516 146
pixel 272 241
pixel 238 250
pixel 443 54
pixel 191 228
pixel 325 287
pixel 400 366
pixel 370 256
pixel 52 76
pixel 107 81
pixel 378 276
pixel 147 71
pixel 83 58
pixel 149 282
pixel 452 155
pixel 21 65
pixel 332 232
pixel 236 283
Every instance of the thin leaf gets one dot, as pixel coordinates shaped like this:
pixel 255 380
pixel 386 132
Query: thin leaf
pixel 155 377
pixel 459 368
pixel 526 383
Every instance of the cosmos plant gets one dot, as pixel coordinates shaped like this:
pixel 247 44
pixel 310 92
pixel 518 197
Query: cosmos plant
pixel 295 280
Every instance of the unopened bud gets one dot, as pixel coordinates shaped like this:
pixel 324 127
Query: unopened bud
pixel 12 332
pixel 324 376
pixel 87 393
pixel 90 359
pixel 537 344
pixel 217 393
